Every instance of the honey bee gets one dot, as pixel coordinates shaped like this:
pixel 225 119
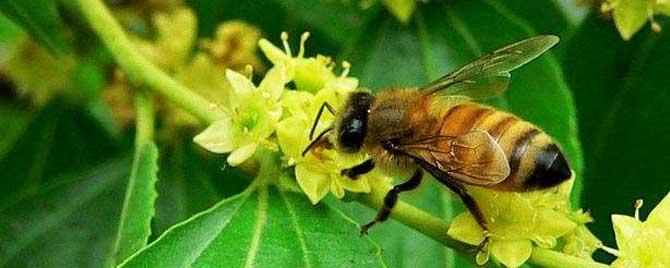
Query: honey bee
pixel 438 129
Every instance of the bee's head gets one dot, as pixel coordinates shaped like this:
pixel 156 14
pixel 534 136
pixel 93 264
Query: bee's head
pixel 352 126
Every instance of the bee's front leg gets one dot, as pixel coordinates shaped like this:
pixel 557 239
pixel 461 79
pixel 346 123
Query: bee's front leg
pixel 359 169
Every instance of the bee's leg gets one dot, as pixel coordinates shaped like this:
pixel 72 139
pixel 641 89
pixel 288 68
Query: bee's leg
pixel 392 197
pixel 359 169
pixel 473 208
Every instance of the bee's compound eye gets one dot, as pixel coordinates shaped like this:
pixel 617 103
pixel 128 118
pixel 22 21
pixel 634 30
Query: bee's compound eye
pixel 352 135
pixel 354 124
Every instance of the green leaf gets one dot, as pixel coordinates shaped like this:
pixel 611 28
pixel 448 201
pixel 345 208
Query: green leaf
pixel 262 227
pixel 68 223
pixel 138 207
pixel 58 140
pixel 190 181
pixel 623 115
pixel 332 19
pixel 39 18
pixel 12 123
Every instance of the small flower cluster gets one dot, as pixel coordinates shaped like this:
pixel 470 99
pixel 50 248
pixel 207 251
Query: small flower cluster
pixel 516 221
pixel 232 47
pixel 271 115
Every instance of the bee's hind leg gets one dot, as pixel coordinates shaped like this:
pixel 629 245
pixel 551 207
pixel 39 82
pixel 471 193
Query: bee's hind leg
pixel 391 199
pixel 359 169
pixel 473 208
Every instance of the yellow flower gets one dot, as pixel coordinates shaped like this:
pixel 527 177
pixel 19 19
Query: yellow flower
pixel 630 15
pixel 250 119
pixel 643 244
pixel 309 74
pixel 38 74
pixel 581 242
pixel 401 9
pixel 318 172
pixel 234 45
pixel 516 221
pixel 175 35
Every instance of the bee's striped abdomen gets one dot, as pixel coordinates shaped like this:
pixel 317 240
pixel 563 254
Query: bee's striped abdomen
pixel 535 160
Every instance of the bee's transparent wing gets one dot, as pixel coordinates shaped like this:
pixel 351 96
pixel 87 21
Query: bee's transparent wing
pixel 489 76
pixel 473 158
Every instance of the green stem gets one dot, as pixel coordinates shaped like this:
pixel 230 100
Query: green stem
pixel 145 119
pixel 416 219
pixel 143 71
pixel 137 66
pixel 553 259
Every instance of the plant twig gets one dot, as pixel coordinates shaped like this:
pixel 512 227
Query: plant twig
pixel 143 71
pixel 137 66
pixel 145 119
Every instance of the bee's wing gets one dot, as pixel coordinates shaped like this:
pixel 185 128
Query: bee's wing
pixel 473 158
pixel 488 75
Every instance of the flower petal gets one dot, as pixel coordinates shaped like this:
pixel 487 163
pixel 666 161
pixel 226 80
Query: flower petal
pixel 552 224
pixel 273 53
pixel 274 82
pixel 359 185
pixel 293 136
pixel 659 215
pixel 315 184
pixel 511 253
pixel 465 228
pixel 242 154
pixel 629 17
pixel 241 85
pixel 624 229
pixel 337 189
pixel 218 137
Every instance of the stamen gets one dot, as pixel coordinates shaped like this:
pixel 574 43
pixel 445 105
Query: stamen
pixel 249 70
pixel 637 206
pixel 654 25
pixel 610 250
pixel 284 40
pixel 303 39
pixel 346 66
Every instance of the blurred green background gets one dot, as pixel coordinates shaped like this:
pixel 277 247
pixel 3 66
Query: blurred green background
pixel 65 154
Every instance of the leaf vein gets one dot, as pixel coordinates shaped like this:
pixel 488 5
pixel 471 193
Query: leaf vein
pixel 261 219
pixel 298 231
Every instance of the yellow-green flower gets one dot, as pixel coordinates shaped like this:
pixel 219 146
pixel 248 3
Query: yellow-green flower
pixel 234 46
pixel 318 172
pixel 175 36
pixel 38 74
pixel 250 119
pixel 309 74
pixel 401 9
pixel 644 244
pixel 581 242
pixel 630 15
pixel 516 221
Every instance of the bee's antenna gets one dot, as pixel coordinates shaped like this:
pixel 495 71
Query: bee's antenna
pixel 315 141
pixel 318 117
